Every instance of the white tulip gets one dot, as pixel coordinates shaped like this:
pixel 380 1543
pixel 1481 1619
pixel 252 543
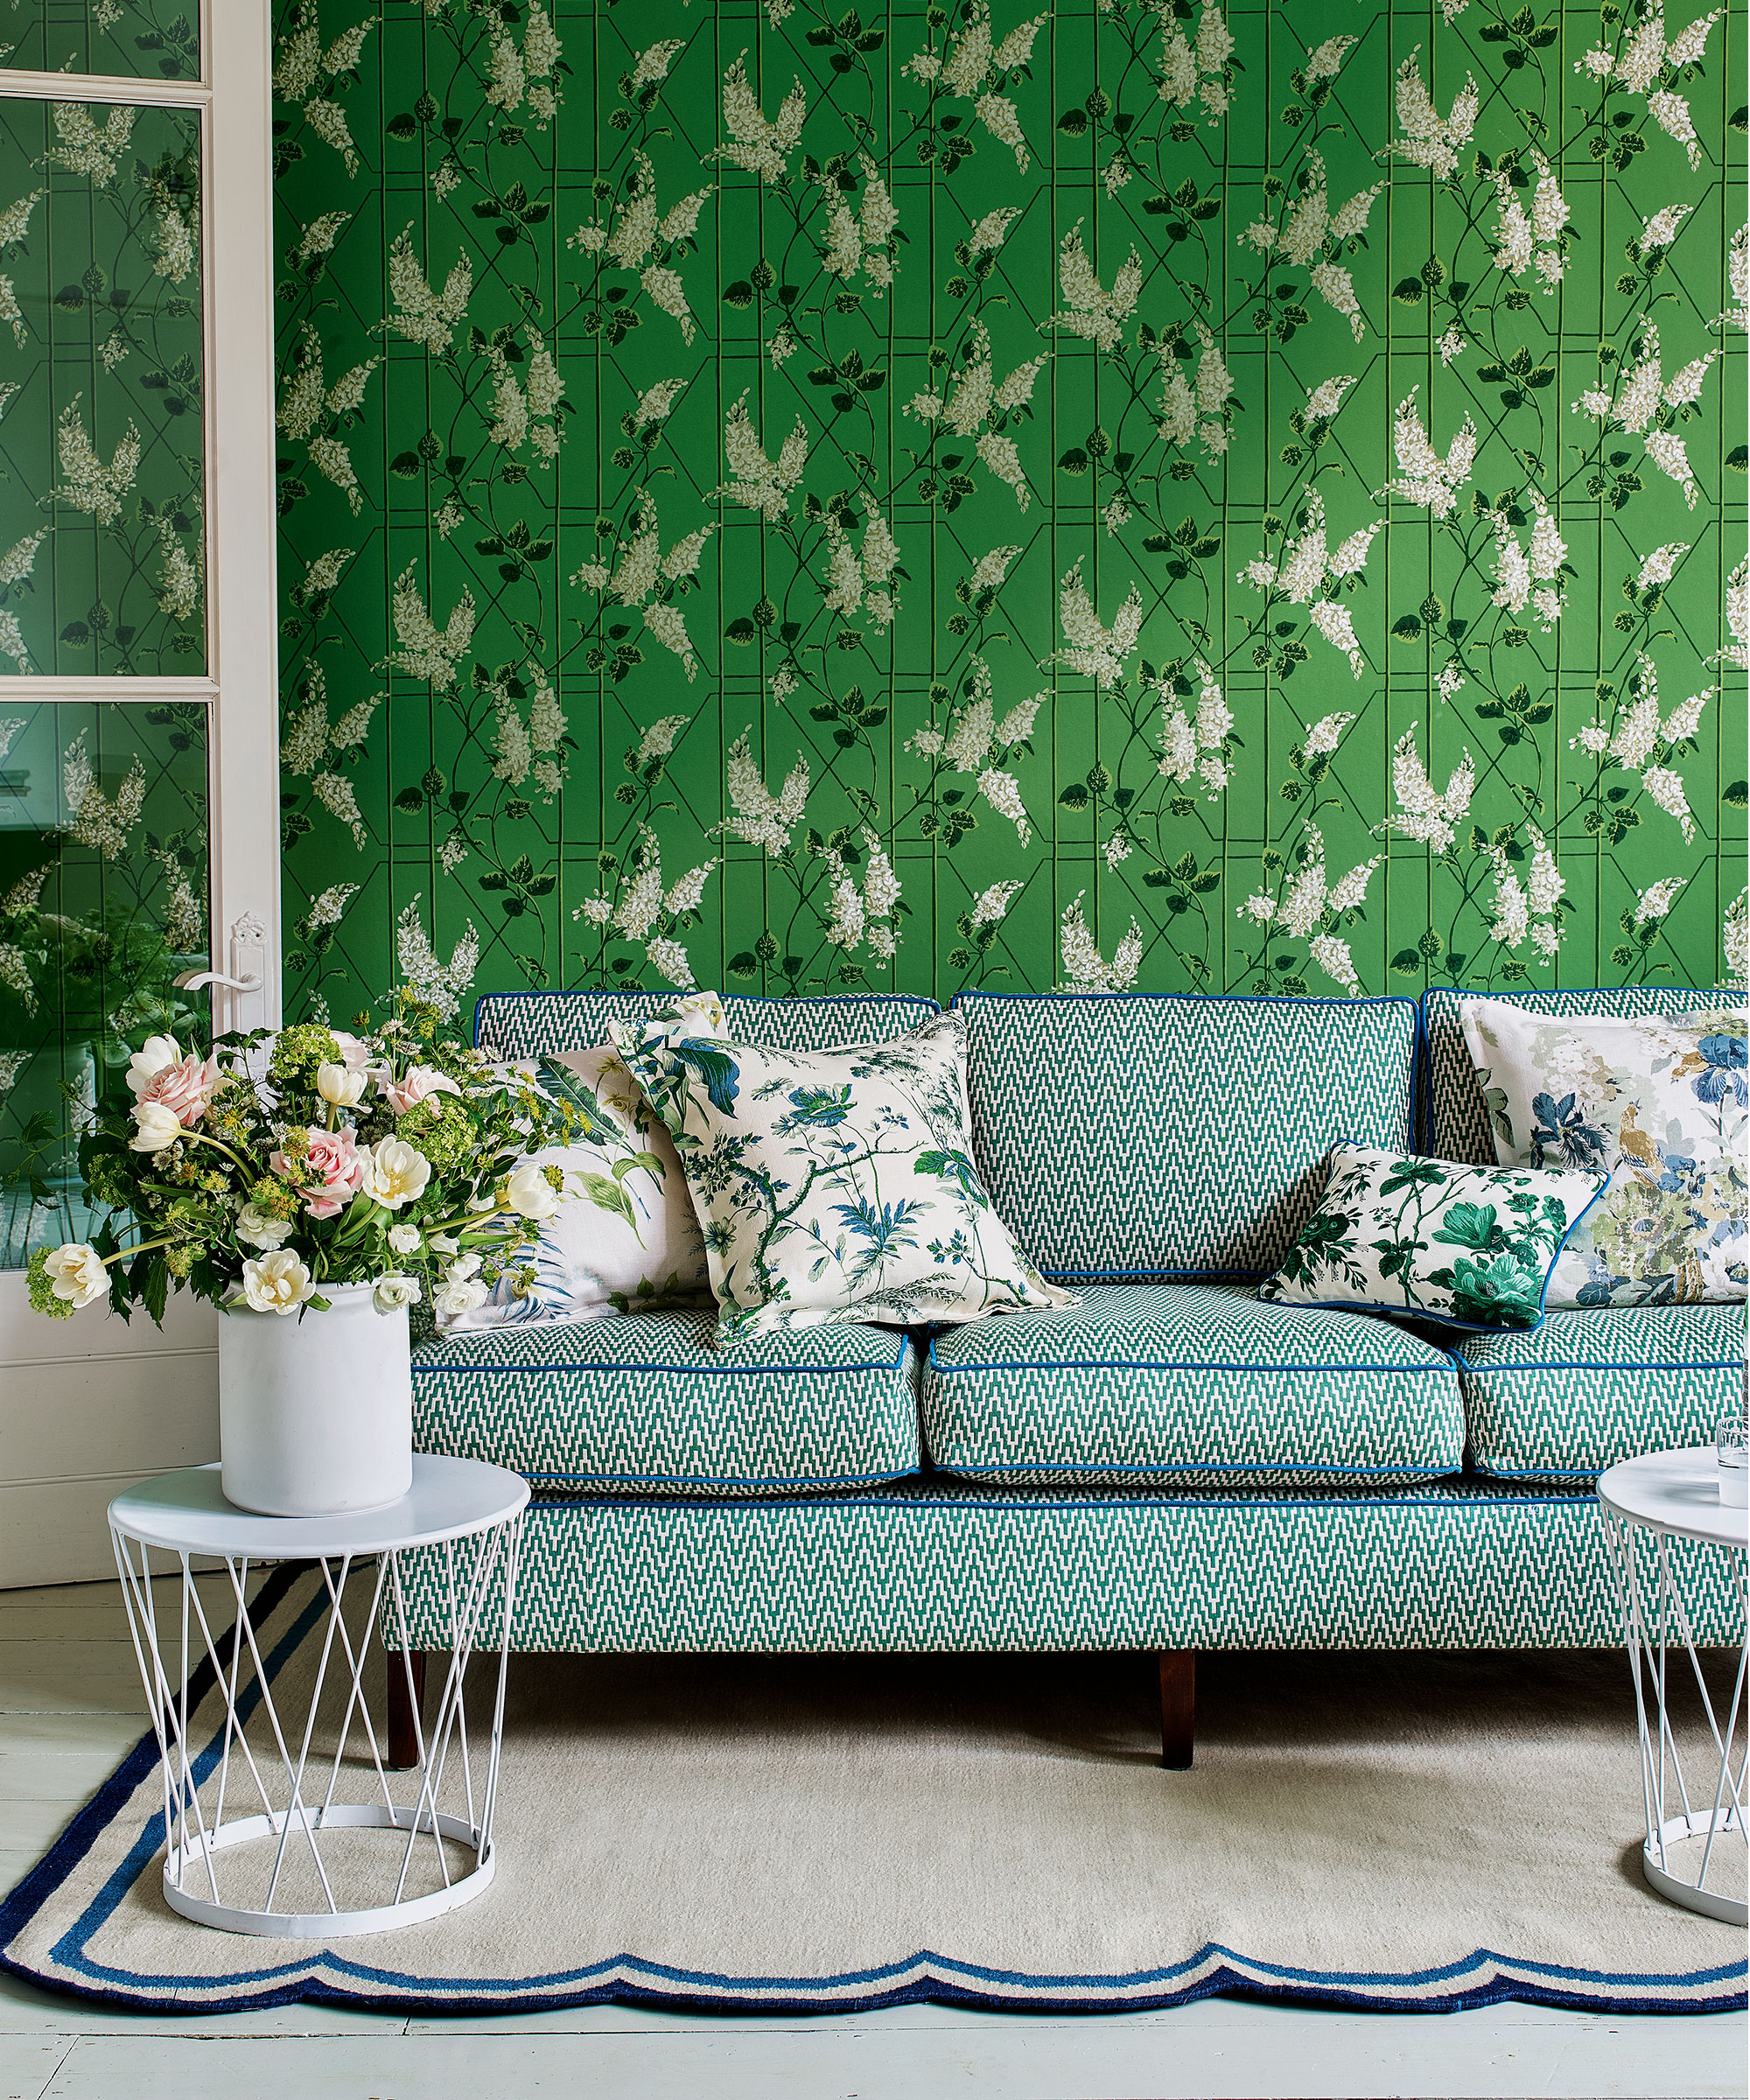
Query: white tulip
pixel 404 1239
pixel 463 1267
pixel 147 1061
pixel 395 1173
pixel 531 1193
pixel 278 1283
pixel 466 1295
pixel 78 1274
pixel 393 1290
pixel 159 1127
pixel 255 1229
pixel 340 1085
pixel 445 1242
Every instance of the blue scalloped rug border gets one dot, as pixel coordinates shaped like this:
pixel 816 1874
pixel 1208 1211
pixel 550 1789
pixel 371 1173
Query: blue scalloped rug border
pixel 327 1977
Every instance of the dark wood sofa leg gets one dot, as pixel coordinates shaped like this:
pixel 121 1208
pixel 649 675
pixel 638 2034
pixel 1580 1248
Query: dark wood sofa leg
pixel 404 1736
pixel 1178 1707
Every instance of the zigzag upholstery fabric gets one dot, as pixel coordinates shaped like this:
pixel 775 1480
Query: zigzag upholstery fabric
pixel 1189 1385
pixel 1456 1123
pixel 643 1403
pixel 536 1023
pixel 928 1566
pixel 1591 1387
pixel 1125 1136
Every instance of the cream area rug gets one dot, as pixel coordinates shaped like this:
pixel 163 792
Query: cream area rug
pixel 1407 1833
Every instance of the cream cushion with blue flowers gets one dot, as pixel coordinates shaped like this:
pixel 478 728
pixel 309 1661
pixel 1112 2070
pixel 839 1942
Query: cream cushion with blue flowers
pixel 1662 1101
pixel 833 1186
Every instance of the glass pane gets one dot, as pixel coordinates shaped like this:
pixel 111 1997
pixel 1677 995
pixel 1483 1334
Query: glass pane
pixel 159 39
pixel 103 827
pixel 102 558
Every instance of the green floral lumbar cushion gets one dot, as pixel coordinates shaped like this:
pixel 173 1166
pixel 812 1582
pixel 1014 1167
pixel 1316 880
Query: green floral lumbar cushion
pixel 1660 1100
pixel 1468 1246
pixel 835 1185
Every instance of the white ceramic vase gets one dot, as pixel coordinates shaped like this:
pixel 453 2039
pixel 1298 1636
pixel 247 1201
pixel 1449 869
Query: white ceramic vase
pixel 316 1413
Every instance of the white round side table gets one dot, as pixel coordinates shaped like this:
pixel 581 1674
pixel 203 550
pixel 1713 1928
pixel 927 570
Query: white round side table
pixel 472 1514
pixel 1697 1856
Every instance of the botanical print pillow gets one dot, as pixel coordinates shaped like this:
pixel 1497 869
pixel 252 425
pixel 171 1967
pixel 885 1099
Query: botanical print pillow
pixel 1468 1246
pixel 623 1236
pixel 835 1185
pixel 1661 1101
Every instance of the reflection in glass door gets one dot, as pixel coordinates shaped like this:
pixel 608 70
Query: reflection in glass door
pixel 113 741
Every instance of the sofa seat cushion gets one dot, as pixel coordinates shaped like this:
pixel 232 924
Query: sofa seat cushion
pixel 1190 1385
pixel 1597 1384
pixel 641 1403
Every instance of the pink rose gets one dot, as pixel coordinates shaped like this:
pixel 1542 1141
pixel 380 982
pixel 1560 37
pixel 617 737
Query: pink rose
pixel 330 1174
pixel 421 1080
pixel 183 1085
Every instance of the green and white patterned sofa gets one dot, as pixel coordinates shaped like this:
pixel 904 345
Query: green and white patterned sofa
pixel 1168 1465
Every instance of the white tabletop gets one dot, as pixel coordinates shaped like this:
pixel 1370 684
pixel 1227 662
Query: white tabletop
pixel 186 1512
pixel 1678 1493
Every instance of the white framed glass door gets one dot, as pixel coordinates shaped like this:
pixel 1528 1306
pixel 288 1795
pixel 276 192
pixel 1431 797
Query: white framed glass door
pixel 138 714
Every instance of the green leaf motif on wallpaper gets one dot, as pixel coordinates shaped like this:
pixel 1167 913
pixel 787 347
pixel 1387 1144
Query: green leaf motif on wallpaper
pixel 1076 498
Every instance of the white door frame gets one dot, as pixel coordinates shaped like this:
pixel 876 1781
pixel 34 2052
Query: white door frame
pixel 88 1407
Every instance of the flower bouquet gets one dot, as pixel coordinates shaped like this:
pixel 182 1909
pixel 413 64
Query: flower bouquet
pixel 313 1171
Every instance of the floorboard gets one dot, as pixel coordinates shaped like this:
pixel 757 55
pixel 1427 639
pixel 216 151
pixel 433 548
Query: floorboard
pixel 70 1708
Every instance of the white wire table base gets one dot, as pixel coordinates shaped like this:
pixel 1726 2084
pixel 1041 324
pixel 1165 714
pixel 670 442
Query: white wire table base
pixel 290 1780
pixel 1696 1852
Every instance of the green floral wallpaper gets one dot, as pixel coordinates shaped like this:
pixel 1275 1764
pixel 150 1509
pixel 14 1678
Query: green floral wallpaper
pixel 103 564
pixel 1134 494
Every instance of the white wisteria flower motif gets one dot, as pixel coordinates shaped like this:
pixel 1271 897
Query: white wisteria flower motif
pixel 1644 403
pixel 1432 141
pixel 762 819
pixel 760 484
pixel 1094 651
pixel 1310 908
pixel 420 314
pixel 1427 477
pixel 1194 746
pixel 756 143
pixel 426 650
pixel 1311 232
pixel 1431 818
pixel 973 66
pixel 1089 310
pixel 1309 572
pixel 1647 65
pixel 639 237
pixel 642 576
pixel 975 742
pixel 1084 968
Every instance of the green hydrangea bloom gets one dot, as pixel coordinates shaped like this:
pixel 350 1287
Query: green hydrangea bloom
pixel 297 1055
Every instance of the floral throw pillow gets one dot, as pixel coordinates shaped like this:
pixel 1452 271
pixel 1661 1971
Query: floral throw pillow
pixel 1466 1246
pixel 835 1185
pixel 1662 1101
pixel 622 1235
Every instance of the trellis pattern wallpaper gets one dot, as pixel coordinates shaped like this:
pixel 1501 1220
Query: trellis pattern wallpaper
pixel 1136 494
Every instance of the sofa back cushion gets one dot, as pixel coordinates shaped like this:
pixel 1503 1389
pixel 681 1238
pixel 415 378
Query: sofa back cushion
pixel 1456 1123
pixel 535 1024
pixel 1127 1135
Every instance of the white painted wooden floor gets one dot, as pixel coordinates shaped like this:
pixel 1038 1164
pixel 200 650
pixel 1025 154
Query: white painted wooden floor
pixel 70 1707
